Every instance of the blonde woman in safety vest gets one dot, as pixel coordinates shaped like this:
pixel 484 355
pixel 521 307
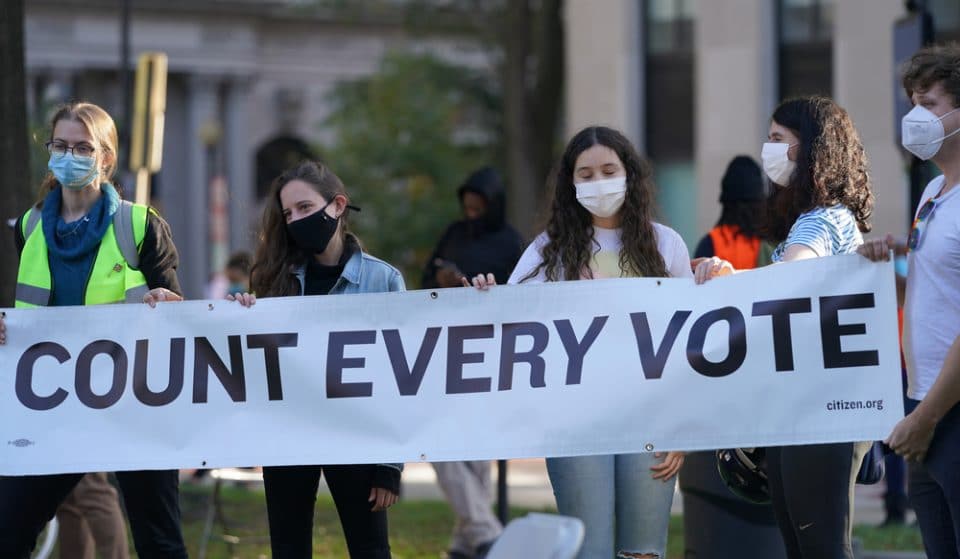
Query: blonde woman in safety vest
pixel 82 245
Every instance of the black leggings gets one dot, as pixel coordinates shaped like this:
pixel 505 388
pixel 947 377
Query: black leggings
pixel 292 494
pixel 151 498
pixel 812 491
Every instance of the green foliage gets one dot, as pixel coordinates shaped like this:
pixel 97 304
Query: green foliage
pixel 406 138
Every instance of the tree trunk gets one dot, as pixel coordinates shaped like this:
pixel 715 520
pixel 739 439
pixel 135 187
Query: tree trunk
pixel 532 77
pixel 547 102
pixel 14 155
pixel 522 176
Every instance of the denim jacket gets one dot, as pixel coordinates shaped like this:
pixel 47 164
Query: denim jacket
pixel 364 273
pixel 361 274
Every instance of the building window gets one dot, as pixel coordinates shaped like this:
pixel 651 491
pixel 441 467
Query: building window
pixel 669 112
pixel 669 25
pixel 946 19
pixel 806 47
pixel 669 79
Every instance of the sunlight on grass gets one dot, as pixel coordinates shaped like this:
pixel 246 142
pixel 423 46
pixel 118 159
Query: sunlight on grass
pixel 418 529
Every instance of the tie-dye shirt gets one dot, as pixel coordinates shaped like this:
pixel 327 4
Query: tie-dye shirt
pixel 606 257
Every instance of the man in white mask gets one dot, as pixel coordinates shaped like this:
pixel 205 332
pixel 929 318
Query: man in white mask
pixel 929 436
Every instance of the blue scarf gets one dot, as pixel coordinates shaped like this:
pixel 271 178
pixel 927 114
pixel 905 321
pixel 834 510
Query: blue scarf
pixel 72 247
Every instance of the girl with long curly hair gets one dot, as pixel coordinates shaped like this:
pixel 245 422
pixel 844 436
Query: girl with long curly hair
pixel 306 248
pixel 821 206
pixel 601 226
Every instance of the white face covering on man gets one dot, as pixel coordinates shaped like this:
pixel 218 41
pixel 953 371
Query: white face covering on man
pixel 602 198
pixel 922 132
pixel 776 162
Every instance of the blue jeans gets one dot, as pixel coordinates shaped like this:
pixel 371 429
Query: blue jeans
pixel 935 488
pixel 622 507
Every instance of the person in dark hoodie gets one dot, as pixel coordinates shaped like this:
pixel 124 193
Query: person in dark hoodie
pixel 481 242
pixel 736 236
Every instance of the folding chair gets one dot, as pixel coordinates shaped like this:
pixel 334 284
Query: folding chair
pixel 215 513
pixel 539 536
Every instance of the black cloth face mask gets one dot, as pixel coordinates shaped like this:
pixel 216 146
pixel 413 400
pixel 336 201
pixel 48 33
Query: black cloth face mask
pixel 313 233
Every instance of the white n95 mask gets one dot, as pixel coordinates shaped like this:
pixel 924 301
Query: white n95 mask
pixel 602 198
pixel 922 132
pixel 776 162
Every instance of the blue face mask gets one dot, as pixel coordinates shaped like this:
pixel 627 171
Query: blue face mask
pixel 73 172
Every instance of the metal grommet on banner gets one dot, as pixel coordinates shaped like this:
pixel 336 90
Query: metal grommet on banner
pixel 434 294
pixel 210 307
pixel 658 282
pixel 423 457
pixel 648 447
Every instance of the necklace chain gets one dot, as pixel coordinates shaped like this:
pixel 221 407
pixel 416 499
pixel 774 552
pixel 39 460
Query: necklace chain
pixel 73 231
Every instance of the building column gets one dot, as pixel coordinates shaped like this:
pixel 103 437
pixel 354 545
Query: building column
pixel 864 79
pixel 736 79
pixel 202 110
pixel 604 66
pixel 240 165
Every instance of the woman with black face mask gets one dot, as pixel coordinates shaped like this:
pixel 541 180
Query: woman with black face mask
pixel 306 249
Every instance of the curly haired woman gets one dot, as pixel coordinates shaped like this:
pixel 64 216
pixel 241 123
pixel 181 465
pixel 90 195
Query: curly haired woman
pixel 821 205
pixel 601 226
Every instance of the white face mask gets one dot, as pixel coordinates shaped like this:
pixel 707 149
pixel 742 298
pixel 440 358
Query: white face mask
pixel 922 132
pixel 776 162
pixel 602 198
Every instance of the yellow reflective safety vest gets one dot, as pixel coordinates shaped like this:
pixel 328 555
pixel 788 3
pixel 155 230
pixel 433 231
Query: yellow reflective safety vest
pixel 115 276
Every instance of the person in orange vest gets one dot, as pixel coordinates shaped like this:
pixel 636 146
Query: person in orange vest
pixel 736 236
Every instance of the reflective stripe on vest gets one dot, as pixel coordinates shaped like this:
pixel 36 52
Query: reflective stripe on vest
pixel 114 277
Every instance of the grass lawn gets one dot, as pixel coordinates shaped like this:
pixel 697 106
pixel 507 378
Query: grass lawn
pixel 417 528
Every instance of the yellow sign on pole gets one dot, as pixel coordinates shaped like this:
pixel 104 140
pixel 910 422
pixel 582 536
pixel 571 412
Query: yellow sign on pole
pixel 146 139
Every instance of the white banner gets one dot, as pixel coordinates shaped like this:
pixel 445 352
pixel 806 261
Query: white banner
pixel 803 352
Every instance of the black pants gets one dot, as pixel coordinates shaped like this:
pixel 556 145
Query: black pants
pixel 812 491
pixel 151 498
pixel 935 488
pixel 292 494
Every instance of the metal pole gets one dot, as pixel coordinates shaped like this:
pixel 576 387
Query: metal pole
pixel 503 506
